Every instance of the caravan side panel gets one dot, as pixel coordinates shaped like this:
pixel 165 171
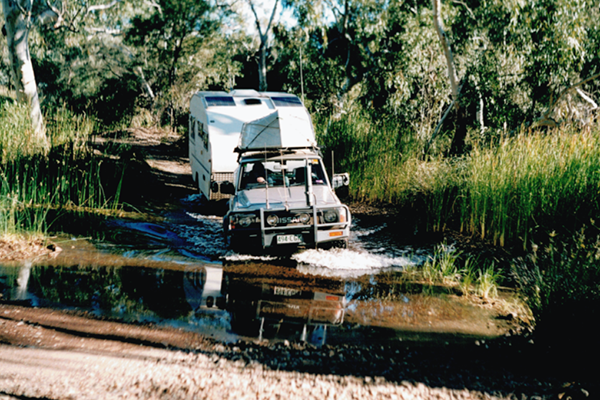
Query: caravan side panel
pixel 199 150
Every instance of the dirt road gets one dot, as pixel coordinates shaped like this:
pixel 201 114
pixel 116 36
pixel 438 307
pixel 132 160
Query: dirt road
pixel 53 354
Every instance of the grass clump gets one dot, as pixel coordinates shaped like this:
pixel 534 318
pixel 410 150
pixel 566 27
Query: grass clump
pixel 448 266
pixel 560 272
pixel 383 160
pixel 531 180
pixel 32 183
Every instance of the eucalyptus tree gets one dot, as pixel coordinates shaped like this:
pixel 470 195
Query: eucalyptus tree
pixel 346 33
pixel 24 17
pixel 18 20
pixel 263 35
pixel 521 57
pixel 179 48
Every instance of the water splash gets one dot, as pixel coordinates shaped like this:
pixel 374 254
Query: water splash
pixel 348 262
pixel 205 235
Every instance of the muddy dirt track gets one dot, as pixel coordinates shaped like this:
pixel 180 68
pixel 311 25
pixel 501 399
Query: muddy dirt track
pixel 61 354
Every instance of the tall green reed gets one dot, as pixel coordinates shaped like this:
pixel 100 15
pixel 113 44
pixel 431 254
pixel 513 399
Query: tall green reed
pixel 383 158
pixel 531 180
pixel 33 183
pixel 563 270
pixel 502 192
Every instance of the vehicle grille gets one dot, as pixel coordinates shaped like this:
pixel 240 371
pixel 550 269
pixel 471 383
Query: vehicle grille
pixel 289 218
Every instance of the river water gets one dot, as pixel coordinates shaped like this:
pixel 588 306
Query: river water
pixel 180 273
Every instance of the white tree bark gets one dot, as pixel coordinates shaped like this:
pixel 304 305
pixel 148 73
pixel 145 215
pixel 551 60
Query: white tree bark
pixel 17 16
pixel 439 27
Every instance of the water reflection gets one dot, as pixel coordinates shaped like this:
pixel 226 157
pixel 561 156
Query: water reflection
pixel 219 301
pixel 271 301
pixel 274 300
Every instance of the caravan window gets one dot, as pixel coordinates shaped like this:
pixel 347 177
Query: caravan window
pixel 202 134
pixel 287 101
pixel 219 101
pixel 192 127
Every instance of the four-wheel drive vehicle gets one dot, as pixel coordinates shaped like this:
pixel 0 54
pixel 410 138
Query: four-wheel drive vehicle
pixel 281 193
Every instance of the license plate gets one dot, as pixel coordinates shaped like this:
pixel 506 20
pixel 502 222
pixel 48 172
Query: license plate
pixel 284 239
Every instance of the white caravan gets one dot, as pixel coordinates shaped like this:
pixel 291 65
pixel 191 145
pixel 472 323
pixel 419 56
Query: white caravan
pixel 216 120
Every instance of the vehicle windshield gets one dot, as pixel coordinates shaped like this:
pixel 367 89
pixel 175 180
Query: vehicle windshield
pixel 277 173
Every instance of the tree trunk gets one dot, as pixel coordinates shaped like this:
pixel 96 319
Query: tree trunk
pixel 457 147
pixel 262 50
pixel 439 27
pixel 262 65
pixel 460 128
pixel 23 78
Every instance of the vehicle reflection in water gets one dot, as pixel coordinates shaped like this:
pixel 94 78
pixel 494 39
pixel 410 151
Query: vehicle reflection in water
pixel 222 302
pixel 279 302
pixel 275 300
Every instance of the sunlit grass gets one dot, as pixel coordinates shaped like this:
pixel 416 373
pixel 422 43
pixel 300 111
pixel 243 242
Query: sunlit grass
pixel 502 193
pixel 450 267
pixel 32 182
pixel 528 180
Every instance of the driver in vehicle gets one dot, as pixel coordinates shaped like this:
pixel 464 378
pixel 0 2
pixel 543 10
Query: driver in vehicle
pixel 257 175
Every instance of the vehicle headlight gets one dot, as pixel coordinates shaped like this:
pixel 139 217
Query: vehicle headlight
pixel 330 216
pixel 304 218
pixel 272 220
pixel 245 221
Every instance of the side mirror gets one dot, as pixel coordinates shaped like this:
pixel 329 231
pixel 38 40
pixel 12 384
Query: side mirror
pixel 227 188
pixel 340 180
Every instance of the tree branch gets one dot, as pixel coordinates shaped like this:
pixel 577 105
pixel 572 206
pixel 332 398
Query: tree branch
pixel 462 3
pixel 256 20
pixel 587 98
pixel 101 7
pixel 272 15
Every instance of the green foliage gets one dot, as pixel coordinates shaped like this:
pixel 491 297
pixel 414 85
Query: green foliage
pixel 450 267
pixel 504 193
pixel 563 270
pixel 116 100
pixel 442 267
pixel 384 162
pixel 133 58
pixel 513 58
pixel 178 50
pixel 531 180
pixel 31 184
